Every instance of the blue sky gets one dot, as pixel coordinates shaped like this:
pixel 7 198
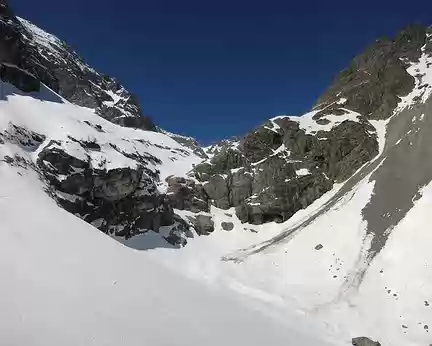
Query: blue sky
pixel 214 69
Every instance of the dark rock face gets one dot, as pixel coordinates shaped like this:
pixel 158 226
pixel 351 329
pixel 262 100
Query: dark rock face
pixel 121 202
pixel 279 169
pixel 280 200
pixel 217 191
pixel 53 62
pixel 221 163
pixel 20 78
pixel 260 143
pixel 363 341
pixel 240 186
pixel 185 194
pixel 374 81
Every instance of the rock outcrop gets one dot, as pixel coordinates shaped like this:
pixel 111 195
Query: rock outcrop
pixel 374 82
pixel 280 167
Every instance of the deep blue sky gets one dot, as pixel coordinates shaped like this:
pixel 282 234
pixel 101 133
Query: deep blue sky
pixel 214 69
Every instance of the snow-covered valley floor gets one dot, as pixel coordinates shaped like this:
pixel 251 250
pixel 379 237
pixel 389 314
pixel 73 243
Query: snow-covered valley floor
pixel 64 282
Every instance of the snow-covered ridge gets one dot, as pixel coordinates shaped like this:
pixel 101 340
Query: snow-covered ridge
pixel 49 45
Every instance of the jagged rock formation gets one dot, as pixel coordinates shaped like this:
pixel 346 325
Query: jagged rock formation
pixel 282 167
pixel 55 64
pixel 375 80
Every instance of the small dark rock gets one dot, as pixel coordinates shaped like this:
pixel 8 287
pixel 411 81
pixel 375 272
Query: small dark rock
pixel 319 247
pixel 364 341
pixel 9 160
pixel 227 226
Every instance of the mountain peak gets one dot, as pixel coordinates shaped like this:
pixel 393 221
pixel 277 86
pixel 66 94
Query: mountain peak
pixel 53 62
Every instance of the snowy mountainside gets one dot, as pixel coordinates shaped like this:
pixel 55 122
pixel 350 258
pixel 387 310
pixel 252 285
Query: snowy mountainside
pixel 111 176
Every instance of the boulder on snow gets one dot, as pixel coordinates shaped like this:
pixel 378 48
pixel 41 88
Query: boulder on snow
pixel 227 226
pixel 364 341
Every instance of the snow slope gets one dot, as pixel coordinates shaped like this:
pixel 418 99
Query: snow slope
pixel 57 119
pixel 66 283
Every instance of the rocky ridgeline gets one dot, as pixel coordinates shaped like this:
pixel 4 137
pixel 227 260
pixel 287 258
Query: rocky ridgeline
pixel 54 63
pixel 374 82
